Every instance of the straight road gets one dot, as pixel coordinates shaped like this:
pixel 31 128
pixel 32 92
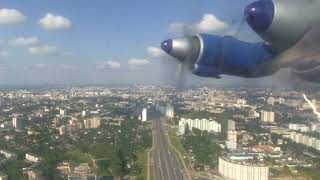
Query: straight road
pixel 164 160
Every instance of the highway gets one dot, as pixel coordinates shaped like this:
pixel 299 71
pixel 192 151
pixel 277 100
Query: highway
pixel 164 160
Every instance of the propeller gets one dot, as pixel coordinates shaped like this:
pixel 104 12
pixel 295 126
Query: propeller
pixel 303 58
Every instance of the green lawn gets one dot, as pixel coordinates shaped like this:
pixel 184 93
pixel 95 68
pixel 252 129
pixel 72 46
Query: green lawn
pixel 142 164
pixel 177 145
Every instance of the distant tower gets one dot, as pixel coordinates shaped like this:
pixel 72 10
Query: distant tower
pixel 144 115
pixel 231 125
pixel 17 123
pixel 169 111
pixel 62 112
pixel 87 123
pixel 95 122
pixel 267 117
pixel 231 142
pixel 83 113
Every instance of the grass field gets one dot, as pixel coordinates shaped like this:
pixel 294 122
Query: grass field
pixel 143 165
pixel 177 145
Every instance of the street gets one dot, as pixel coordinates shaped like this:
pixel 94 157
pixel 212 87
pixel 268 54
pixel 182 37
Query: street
pixel 164 160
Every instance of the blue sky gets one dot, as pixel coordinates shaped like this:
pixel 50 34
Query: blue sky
pixel 102 41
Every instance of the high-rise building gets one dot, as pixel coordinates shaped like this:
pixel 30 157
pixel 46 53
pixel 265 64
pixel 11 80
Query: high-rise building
pixel 169 111
pixel 95 122
pixel 62 112
pixel 62 129
pixel 231 125
pixel 182 127
pixel 92 123
pixel 86 123
pixel 231 142
pixel 267 117
pixel 18 123
pixel 144 115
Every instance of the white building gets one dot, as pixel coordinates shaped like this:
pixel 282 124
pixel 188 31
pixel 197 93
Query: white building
pixel 253 114
pixel 241 101
pixel 62 130
pixel 267 117
pixel 32 158
pixel 301 127
pixel 306 140
pixel 231 142
pixel 8 155
pixel 270 100
pixel 17 123
pixel 182 127
pixel 201 124
pixel 144 115
pixel 231 125
pixel 315 127
pixel 169 111
pixel 92 123
pixel 237 170
pixel 3 176
pixel 63 112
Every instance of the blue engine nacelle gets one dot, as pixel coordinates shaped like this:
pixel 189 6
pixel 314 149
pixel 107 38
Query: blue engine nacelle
pixel 227 55
pixel 214 55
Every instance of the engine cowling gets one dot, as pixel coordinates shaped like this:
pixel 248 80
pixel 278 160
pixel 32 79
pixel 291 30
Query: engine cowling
pixel 282 22
pixel 213 55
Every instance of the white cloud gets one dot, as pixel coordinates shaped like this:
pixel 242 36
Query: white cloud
pixel 108 65
pixel 209 23
pixel 155 52
pixel 138 62
pixel 42 50
pixel 53 22
pixel 11 16
pixel 4 53
pixel 40 66
pixel 24 41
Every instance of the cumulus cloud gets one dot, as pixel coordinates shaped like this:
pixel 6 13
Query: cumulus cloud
pixel 108 65
pixel 209 23
pixel 53 22
pixel 42 50
pixel 155 52
pixel 24 41
pixel 4 53
pixel 11 16
pixel 138 62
